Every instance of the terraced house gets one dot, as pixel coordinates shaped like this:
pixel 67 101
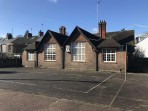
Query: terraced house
pixel 81 50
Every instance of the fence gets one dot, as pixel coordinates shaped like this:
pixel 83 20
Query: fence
pixel 10 62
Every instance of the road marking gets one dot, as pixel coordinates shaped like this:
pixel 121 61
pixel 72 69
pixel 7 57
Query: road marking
pixel 116 94
pixel 69 90
pixel 139 100
pixel 18 83
pixel 99 84
pixel 85 92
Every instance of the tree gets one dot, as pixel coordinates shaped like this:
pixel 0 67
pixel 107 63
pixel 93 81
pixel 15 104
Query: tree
pixel 137 61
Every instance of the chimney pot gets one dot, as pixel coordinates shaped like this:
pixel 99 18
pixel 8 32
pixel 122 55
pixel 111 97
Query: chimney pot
pixel 9 36
pixel 40 33
pixel 62 30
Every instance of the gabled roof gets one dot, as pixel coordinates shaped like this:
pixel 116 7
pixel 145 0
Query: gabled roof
pixel 5 41
pixel 92 39
pixel 61 39
pixel 31 47
pixel 109 42
pixel 33 43
pixel 123 37
pixel 24 40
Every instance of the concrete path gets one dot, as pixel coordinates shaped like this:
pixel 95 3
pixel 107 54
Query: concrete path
pixel 17 101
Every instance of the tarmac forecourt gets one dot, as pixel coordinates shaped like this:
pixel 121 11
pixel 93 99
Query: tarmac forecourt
pixel 89 87
pixel 70 82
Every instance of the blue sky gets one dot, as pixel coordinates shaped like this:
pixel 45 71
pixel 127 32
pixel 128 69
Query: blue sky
pixel 22 15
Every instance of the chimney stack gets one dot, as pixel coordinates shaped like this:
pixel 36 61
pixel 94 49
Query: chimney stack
pixel 102 29
pixel 40 33
pixel 62 30
pixel 9 36
pixel 27 34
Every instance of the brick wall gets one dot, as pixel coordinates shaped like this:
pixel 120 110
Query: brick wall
pixel 118 66
pixel 90 58
pixel 50 64
pixel 25 61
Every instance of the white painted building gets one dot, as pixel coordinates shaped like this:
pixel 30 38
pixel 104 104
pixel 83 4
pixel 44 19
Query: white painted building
pixel 143 46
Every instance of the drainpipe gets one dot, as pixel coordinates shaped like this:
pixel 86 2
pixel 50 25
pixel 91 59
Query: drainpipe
pixel 125 63
pixel 96 51
pixel 63 57
pixel 36 62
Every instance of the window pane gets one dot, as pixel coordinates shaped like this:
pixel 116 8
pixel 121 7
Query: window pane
pixel 108 51
pixel 109 55
pixel 30 56
pixel 50 53
pixel 104 50
pixel 78 51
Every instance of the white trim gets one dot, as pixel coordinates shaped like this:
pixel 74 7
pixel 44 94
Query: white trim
pixel 52 49
pixel 78 51
pixel 108 53
pixel 30 56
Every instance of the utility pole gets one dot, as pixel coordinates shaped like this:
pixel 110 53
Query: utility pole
pixel 12 31
pixel 98 10
pixel 42 27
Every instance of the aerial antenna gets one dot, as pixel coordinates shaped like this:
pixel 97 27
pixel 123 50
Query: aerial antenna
pixel 98 2
pixel 31 29
pixel 12 30
pixel 42 27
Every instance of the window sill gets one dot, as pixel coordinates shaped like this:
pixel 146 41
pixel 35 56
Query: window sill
pixel 31 60
pixel 109 62
pixel 50 60
pixel 80 61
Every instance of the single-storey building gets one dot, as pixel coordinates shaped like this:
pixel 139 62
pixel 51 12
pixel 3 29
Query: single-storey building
pixel 104 51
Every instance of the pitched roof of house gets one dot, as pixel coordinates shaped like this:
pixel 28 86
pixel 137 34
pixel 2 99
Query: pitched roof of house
pixel 24 40
pixel 109 42
pixel 61 39
pixel 113 39
pixel 5 41
pixel 92 39
pixel 31 47
pixel 122 37
pixel 34 43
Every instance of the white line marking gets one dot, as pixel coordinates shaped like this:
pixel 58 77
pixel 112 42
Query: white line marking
pixel 18 83
pixel 140 100
pixel 116 94
pixel 69 90
pixel 99 84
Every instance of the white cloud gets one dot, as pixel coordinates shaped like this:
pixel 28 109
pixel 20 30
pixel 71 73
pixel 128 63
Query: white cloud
pixel 2 36
pixel 94 30
pixel 53 1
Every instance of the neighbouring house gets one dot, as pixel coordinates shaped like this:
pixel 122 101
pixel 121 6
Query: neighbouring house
pixel 141 37
pixel 6 44
pixel 104 51
pixel 143 45
pixel 14 46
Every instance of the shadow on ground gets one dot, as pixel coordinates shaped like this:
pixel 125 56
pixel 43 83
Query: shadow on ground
pixel 47 80
pixel 8 72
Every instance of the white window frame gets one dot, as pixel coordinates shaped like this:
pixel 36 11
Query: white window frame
pixel 78 51
pixel 52 49
pixel 30 56
pixel 108 54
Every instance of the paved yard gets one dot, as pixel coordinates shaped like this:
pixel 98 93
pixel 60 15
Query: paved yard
pixel 55 90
